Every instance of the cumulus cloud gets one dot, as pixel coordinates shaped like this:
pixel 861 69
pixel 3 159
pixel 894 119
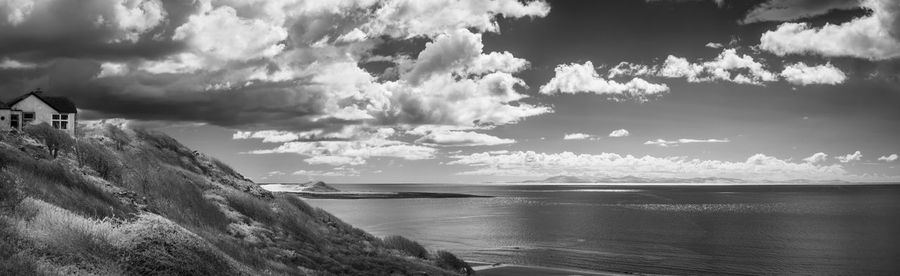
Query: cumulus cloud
pixel 888 158
pixel 619 133
pixel 816 158
pixel 666 143
pixel 583 78
pixel 444 137
pixel 874 36
pixel 577 136
pixel 788 10
pixel 733 67
pixel 802 74
pixel 282 71
pixel 856 156
pixel 530 163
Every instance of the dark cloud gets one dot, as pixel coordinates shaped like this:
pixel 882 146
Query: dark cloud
pixel 789 10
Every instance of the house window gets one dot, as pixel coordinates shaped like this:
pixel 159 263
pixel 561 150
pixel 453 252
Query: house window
pixel 61 121
pixel 14 121
pixel 27 117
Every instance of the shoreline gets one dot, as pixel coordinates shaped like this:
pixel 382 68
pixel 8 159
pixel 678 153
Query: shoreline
pixel 381 195
pixel 498 269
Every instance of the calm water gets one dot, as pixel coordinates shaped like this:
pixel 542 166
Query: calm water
pixel 812 230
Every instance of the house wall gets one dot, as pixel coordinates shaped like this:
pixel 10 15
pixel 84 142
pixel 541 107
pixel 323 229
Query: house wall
pixel 43 113
pixel 4 119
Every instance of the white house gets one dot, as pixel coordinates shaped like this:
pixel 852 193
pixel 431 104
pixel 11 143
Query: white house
pixel 34 108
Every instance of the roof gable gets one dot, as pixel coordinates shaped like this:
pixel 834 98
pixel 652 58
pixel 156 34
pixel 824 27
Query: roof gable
pixel 60 104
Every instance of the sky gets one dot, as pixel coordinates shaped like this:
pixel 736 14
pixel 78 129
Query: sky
pixel 466 91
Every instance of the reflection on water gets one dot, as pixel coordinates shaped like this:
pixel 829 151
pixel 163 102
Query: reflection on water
pixel 820 230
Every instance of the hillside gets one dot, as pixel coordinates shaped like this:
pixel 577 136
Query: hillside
pixel 121 201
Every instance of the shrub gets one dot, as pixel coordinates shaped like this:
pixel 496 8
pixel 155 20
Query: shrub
pixel 251 206
pixel 99 159
pixel 54 139
pixel 173 194
pixel 10 196
pixel 448 261
pixel 119 137
pixel 406 246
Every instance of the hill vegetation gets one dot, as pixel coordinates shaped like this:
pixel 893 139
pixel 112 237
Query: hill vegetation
pixel 122 201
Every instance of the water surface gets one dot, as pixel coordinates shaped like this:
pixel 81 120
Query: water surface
pixel 739 230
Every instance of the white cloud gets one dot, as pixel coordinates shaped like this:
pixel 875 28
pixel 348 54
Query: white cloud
pixel 447 53
pixel 246 38
pixel 801 74
pixel 267 136
pixel 8 63
pixel 714 45
pixel 727 66
pixel 408 18
pixel 583 78
pixel 577 136
pixel 856 156
pixel 619 133
pixel 111 69
pixel 461 138
pixel 666 143
pixel 889 158
pixel 497 62
pixel 629 69
pixel 529 163
pixel 816 158
pixel 135 17
pixel 871 37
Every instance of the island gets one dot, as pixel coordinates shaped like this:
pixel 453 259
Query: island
pixel 320 190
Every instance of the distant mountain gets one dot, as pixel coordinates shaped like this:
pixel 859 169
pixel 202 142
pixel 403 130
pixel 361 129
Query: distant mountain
pixel 635 179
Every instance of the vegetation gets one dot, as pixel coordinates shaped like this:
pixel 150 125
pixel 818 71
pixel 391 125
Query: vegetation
pixel 406 246
pixel 54 139
pixel 117 201
pixel 447 260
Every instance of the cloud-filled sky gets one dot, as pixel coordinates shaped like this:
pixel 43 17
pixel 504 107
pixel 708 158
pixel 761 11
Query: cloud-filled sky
pixel 376 91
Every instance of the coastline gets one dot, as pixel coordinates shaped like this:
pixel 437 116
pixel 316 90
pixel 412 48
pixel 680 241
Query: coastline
pixel 497 269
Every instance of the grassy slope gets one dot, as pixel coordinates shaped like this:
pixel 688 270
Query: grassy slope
pixel 122 201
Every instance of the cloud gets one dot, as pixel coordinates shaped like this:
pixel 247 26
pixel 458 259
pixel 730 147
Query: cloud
pixel 666 143
pixel 801 74
pixel 461 138
pixel 533 164
pixel 889 158
pixel 577 136
pixel 732 67
pixel 816 158
pixel 407 18
pixel 856 156
pixel 619 133
pixel 338 171
pixel 583 78
pixel 292 66
pixel 714 45
pixel 789 10
pixel 873 37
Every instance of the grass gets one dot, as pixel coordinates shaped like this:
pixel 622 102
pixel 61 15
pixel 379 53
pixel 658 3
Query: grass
pixel 406 246
pixel 174 194
pixel 166 211
pixel 51 181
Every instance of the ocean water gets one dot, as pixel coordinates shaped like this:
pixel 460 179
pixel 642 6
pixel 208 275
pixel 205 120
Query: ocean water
pixel 714 230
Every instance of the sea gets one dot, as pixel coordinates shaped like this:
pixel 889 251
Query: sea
pixel 647 229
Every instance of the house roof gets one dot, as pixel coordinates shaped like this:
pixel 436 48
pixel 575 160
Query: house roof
pixel 61 104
